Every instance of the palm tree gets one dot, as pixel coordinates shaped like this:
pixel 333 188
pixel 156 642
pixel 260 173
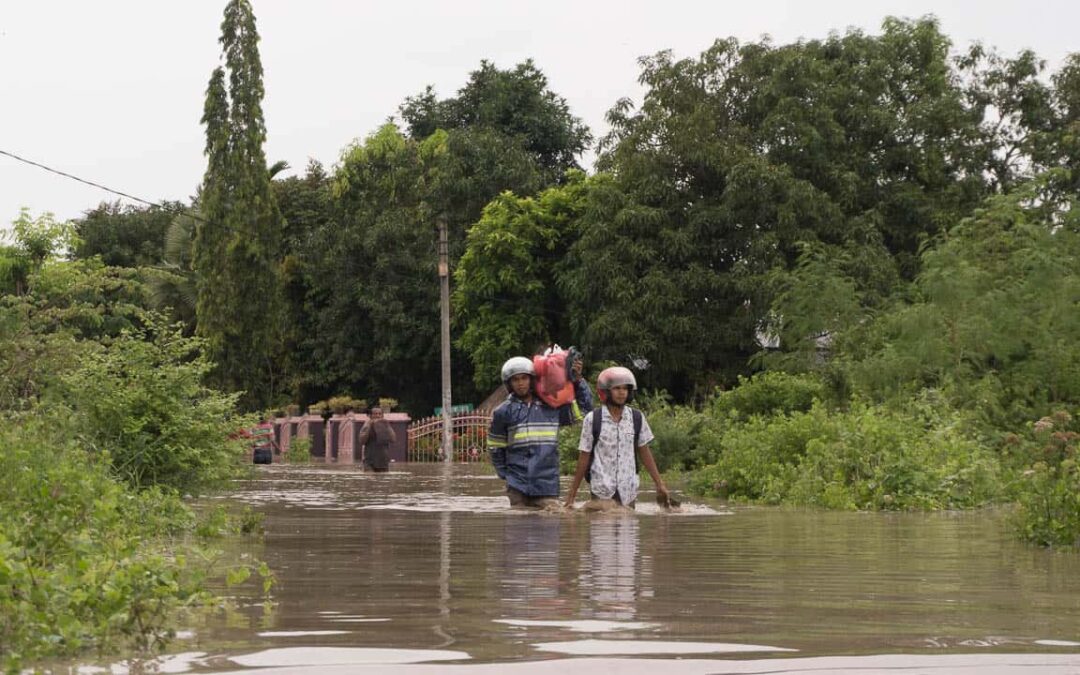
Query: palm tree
pixel 173 282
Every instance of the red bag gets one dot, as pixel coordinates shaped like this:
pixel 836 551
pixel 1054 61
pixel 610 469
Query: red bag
pixel 554 375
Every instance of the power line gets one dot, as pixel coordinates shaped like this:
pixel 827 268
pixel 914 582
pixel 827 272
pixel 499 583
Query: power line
pixel 76 178
pixel 188 212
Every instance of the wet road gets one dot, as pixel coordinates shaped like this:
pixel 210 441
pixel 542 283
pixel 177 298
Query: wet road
pixel 414 571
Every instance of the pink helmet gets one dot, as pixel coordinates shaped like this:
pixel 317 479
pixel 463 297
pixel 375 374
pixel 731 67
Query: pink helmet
pixel 613 377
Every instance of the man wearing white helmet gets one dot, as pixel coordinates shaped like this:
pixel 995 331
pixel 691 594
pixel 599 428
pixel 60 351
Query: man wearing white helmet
pixel 523 438
pixel 613 438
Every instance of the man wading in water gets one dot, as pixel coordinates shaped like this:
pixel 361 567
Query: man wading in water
pixel 523 438
pixel 611 445
pixel 376 438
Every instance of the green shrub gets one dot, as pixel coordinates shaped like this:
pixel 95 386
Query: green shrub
pixel 569 437
pixel 867 458
pixel 339 405
pixel 140 401
pixel 299 451
pixel 78 569
pixel 768 393
pixel 1049 489
pixel 677 435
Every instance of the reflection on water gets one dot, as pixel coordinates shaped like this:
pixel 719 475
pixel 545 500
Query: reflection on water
pixel 416 567
pixel 524 567
pixel 609 571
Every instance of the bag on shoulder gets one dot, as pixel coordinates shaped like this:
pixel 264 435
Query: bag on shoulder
pixel 554 375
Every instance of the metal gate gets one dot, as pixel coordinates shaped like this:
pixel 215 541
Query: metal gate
pixel 468 431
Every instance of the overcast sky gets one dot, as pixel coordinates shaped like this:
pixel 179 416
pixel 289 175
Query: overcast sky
pixel 112 90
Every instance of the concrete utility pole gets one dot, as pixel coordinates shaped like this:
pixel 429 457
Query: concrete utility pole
pixel 444 307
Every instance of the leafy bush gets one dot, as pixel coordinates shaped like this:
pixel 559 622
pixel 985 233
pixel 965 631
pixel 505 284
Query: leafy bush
pixel 680 431
pixel 139 400
pixel 339 405
pixel 867 458
pixel 299 451
pixel 677 431
pixel 1049 490
pixel 569 437
pixel 77 566
pixel 768 393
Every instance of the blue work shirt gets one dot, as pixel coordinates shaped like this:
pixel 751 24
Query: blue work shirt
pixel 524 440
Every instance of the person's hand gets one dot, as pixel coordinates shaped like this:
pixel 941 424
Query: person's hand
pixel 663 498
pixel 577 368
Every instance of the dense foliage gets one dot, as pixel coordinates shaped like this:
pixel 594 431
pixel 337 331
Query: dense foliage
pixel 82 561
pixel 105 424
pixel 125 236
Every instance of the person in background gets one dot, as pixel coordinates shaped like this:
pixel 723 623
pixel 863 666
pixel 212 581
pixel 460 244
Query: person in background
pixel 376 437
pixel 263 446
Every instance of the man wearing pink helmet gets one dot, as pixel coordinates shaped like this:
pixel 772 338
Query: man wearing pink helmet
pixel 611 445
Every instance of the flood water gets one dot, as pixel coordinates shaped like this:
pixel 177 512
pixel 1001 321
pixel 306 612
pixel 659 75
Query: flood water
pixel 414 571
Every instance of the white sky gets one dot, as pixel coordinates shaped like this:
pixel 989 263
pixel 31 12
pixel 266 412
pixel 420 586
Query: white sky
pixel 112 90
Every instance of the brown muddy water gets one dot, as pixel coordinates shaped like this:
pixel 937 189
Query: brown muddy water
pixel 418 572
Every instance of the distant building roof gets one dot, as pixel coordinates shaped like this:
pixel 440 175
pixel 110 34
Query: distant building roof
pixel 494 399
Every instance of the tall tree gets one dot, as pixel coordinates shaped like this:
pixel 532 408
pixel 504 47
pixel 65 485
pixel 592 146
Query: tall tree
pixel 516 104
pixel 237 242
pixel 506 296
pixel 308 210
pixel 375 289
pixel 736 160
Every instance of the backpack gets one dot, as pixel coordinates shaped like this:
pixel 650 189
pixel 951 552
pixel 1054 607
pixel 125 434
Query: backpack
pixel 554 371
pixel 597 422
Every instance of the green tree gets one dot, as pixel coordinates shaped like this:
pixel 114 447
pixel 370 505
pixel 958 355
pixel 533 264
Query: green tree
pixel 506 297
pixel 375 289
pixel 43 238
pixel 35 241
pixel 1064 139
pixel 237 244
pixel 739 159
pixel 516 104
pixel 366 275
pixel 14 270
pixel 125 235
pixel 307 207
pixel 992 319
pixel 172 283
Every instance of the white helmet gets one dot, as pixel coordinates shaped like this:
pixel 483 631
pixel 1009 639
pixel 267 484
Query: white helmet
pixel 516 366
pixel 613 377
